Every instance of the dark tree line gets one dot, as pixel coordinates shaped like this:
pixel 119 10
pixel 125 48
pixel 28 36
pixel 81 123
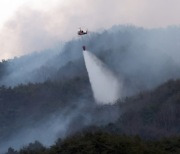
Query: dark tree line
pixel 101 142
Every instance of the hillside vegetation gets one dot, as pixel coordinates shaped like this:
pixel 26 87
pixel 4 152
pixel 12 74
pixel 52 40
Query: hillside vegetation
pixel 47 95
pixel 101 142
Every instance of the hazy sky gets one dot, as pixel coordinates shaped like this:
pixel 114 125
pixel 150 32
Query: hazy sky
pixel 30 25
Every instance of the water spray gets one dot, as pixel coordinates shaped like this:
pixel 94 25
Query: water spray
pixel 104 83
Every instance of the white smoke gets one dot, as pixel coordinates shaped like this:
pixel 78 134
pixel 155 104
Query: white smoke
pixel 105 85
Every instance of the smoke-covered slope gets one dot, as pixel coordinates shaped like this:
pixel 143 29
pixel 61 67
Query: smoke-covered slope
pixel 142 58
pixel 49 110
pixel 59 96
pixel 153 114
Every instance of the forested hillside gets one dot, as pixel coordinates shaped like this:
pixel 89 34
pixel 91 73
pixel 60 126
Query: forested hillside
pixel 47 95
pixel 101 142
pixel 151 115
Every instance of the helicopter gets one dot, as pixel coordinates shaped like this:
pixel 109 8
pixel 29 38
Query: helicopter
pixel 82 32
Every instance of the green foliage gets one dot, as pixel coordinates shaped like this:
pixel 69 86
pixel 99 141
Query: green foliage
pixel 11 151
pixel 3 70
pixel 34 102
pixel 106 143
pixel 152 114
pixel 33 148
